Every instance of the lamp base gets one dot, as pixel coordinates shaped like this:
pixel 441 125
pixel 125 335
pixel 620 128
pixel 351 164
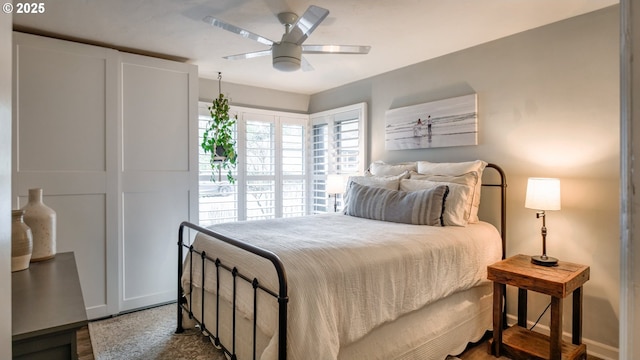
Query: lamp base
pixel 544 260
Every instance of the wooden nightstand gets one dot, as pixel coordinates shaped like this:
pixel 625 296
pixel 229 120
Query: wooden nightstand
pixel 557 281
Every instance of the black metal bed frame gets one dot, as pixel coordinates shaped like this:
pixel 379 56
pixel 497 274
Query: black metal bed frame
pixel 282 295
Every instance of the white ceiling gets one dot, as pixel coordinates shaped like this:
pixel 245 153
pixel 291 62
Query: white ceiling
pixel 400 33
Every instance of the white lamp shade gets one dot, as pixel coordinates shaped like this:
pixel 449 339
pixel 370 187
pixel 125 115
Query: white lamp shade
pixel 543 194
pixel 335 184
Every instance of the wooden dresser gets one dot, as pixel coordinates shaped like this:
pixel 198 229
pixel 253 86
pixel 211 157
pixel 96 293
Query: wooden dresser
pixel 47 309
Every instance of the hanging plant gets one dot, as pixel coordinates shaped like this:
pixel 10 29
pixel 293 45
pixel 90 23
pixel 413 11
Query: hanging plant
pixel 218 137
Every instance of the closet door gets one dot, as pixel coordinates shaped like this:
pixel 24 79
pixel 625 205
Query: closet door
pixel 158 173
pixel 64 141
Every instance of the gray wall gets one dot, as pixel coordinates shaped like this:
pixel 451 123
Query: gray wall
pixel 257 98
pixel 5 185
pixel 548 103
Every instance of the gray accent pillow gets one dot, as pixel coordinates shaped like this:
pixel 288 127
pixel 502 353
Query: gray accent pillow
pixel 423 207
pixel 458 207
pixel 385 182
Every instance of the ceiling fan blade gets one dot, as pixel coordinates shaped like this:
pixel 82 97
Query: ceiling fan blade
pixel 250 55
pixel 335 49
pixel 305 25
pixel 237 30
pixel 305 65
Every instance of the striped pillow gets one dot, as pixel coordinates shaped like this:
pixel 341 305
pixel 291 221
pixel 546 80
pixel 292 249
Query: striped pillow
pixel 423 207
pixel 458 207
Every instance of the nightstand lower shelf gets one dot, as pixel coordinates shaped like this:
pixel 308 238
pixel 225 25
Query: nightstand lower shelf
pixel 520 343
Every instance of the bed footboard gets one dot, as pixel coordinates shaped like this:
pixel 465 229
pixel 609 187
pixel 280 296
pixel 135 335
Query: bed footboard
pixel 183 304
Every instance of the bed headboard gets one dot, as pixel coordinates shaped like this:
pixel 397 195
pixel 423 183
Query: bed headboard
pixel 493 207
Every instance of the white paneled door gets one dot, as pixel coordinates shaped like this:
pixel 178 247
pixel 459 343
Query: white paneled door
pixel 63 136
pixel 159 171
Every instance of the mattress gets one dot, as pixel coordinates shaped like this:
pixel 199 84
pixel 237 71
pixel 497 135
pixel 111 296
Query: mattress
pixel 347 276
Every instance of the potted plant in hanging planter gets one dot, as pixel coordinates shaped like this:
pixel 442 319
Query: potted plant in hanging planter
pixel 218 137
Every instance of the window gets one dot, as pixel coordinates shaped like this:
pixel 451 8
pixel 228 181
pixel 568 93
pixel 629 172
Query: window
pixel 339 147
pixel 260 171
pixel 283 162
pixel 271 176
pixel 294 169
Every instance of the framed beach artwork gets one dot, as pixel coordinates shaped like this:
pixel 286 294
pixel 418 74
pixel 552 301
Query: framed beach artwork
pixel 442 123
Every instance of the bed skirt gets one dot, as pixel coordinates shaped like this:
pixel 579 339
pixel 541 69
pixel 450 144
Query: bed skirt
pixel 442 328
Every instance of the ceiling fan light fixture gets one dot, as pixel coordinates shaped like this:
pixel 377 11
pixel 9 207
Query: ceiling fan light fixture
pixel 286 56
pixel 286 64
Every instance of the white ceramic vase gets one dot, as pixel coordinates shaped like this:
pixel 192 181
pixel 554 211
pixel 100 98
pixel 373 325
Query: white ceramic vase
pixel 21 242
pixel 42 221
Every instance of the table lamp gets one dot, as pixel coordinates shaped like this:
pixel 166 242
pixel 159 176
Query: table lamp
pixel 543 194
pixel 335 186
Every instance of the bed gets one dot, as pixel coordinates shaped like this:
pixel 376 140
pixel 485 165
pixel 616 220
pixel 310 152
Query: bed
pixel 400 274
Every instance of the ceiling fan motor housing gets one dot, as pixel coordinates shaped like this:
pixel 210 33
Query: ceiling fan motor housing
pixel 286 56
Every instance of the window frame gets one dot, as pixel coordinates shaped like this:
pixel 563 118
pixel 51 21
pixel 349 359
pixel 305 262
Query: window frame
pixel 331 118
pixel 313 180
pixel 278 119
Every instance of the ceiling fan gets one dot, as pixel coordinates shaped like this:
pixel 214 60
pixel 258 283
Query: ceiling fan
pixel 287 53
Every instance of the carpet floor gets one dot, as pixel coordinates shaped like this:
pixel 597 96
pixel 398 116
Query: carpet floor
pixel 149 335
pixel 146 335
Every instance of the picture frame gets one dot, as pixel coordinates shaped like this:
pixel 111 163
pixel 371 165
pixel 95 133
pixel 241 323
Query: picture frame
pixel 441 123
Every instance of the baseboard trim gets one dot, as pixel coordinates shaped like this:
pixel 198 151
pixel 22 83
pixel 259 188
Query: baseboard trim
pixel 594 348
pixel 97 312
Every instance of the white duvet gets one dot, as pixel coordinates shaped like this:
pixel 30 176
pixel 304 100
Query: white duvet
pixel 346 275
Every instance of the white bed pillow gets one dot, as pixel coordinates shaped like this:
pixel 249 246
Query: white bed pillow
pixel 469 179
pixel 380 168
pixel 458 169
pixel 457 208
pixel 450 168
pixel 423 207
pixel 382 182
